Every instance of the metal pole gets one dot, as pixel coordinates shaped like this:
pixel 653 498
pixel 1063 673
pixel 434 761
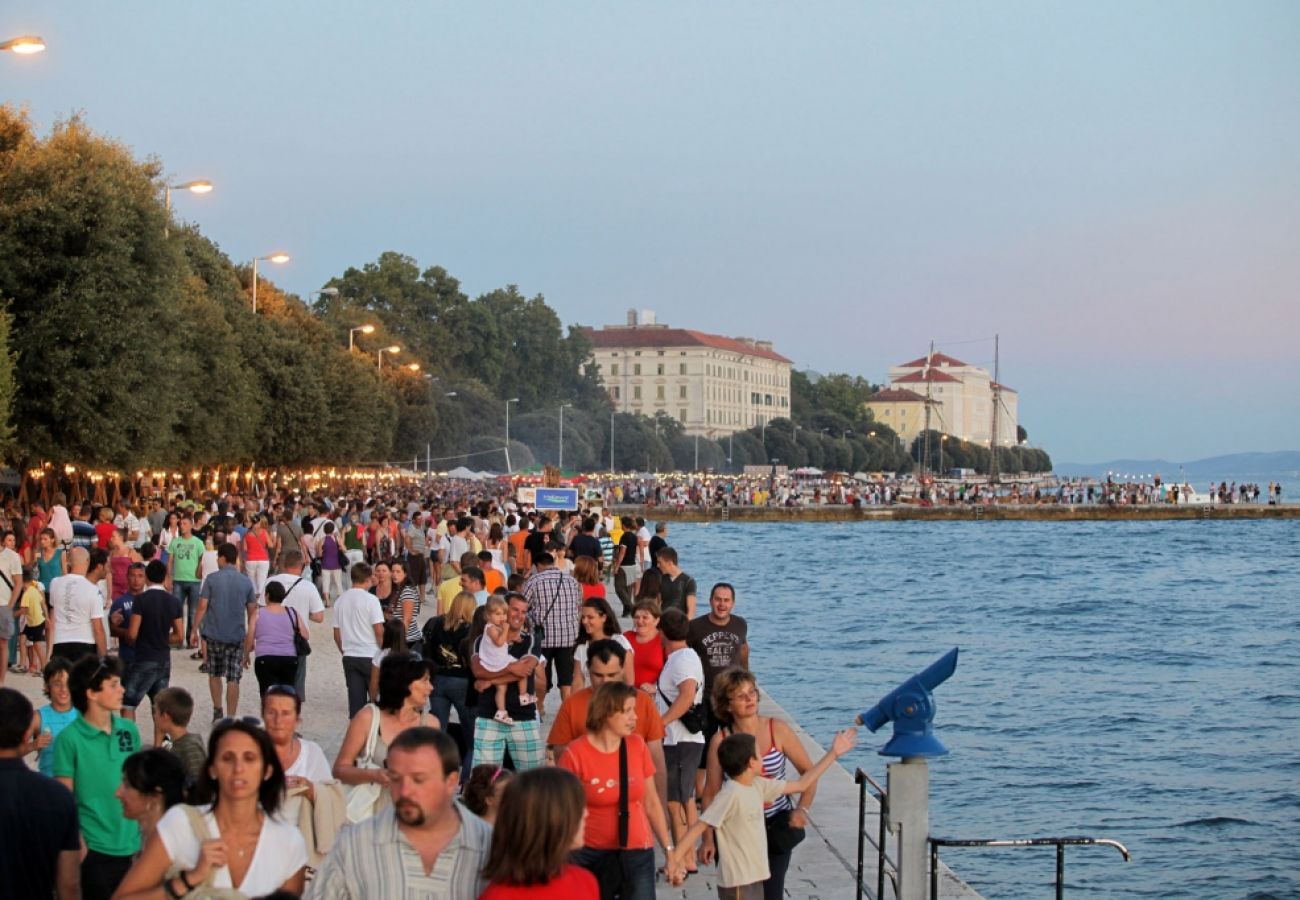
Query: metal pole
pixel 428 459
pixel 1060 871
pixel 509 469
pixel 561 438
pixel 254 285
pixel 611 442
pixel 697 453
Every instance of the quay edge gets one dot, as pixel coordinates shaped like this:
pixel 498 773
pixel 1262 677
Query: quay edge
pixel 1001 513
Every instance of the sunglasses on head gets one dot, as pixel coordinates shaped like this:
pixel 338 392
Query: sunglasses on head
pixel 247 720
pixel 282 690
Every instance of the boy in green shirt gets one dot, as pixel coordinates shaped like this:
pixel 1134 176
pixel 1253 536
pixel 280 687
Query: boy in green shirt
pixel 184 554
pixel 88 757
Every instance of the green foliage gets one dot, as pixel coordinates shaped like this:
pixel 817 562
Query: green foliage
pixel 8 361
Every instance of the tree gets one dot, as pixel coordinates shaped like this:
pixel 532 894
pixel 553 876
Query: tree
pixel 1021 434
pixel 8 360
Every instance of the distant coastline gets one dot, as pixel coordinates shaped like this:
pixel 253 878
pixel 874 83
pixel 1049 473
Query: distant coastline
pixel 1260 468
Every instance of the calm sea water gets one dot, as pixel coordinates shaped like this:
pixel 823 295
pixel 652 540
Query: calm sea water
pixel 1136 681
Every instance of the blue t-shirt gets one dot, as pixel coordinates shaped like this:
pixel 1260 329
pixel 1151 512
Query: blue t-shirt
pixel 123 605
pixel 56 721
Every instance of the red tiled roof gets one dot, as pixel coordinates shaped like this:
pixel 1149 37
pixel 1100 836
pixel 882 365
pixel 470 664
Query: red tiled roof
pixel 895 395
pixel 922 376
pixel 938 359
pixel 614 338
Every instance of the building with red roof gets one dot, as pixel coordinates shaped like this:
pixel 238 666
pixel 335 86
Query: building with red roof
pixel 960 397
pixel 713 385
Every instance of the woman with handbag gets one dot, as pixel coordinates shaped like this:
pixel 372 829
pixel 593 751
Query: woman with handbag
pixel 234 841
pixel 679 697
pixel 445 639
pixel 405 685
pixel 735 704
pixel 622 824
pixel 271 636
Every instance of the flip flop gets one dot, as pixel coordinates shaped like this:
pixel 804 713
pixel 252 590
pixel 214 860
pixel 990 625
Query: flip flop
pixel 196 655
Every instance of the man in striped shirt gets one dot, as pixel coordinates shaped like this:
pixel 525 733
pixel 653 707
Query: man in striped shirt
pixel 425 845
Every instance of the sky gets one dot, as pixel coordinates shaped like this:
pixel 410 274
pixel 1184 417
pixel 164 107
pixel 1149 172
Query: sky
pixel 1113 188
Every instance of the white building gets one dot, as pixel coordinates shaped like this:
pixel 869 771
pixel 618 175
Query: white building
pixel 961 398
pixel 713 385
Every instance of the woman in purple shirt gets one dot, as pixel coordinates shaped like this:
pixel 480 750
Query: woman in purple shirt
pixel 271 638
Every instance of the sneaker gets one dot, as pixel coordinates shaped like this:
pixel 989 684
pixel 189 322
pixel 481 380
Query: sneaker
pixel 203 667
pixel 503 717
pixel 218 714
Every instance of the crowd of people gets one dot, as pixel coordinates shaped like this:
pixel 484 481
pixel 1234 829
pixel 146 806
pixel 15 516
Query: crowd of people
pixel 458 619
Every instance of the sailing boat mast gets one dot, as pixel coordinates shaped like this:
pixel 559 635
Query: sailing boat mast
pixel 925 433
pixel 997 402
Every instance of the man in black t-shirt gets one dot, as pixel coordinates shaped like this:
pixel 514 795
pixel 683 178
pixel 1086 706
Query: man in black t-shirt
pixel 626 571
pixel 524 737
pixel 586 543
pixel 535 543
pixel 157 624
pixel 676 588
pixel 660 539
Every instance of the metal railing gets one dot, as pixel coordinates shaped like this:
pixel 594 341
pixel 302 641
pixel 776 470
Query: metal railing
pixel 862 779
pixel 1060 844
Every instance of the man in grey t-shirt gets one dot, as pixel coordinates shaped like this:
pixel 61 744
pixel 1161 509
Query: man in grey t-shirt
pixel 227 604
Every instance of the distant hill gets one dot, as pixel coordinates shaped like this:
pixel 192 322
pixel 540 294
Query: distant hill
pixel 1283 465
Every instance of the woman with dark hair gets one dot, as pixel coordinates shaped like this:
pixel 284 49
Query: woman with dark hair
pixel 405 685
pixel 619 853
pixel 651 587
pixel 541 823
pixel 383 586
pixel 587 573
pixel 597 622
pixel 270 636
pixel 647 643
pixel 234 840
pixel 483 788
pixel 394 641
pixel 406 607
pixel 153 781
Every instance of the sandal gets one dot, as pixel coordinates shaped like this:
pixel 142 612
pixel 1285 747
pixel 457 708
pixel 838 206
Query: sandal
pixel 503 717
pixel 196 655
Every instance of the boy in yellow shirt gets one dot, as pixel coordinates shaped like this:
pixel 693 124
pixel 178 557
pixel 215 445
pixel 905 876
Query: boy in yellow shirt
pixel 31 641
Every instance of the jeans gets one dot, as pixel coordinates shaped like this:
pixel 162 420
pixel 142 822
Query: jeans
pixel 188 593
pixel 621 874
pixel 145 678
pixel 450 691
pixel 356 675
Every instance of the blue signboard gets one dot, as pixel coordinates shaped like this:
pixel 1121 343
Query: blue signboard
pixel 557 498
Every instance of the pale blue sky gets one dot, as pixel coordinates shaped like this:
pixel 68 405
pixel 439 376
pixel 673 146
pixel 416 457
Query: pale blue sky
pixel 1112 187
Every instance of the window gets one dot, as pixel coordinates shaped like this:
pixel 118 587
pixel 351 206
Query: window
pixel 615 392
pixel 636 369
pixel 681 392
pixel 636 353
pixel 767 399
pixel 660 369
pixel 636 393
pixel 682 369
pixel 659 392
pixel 613 370
pixel 681 415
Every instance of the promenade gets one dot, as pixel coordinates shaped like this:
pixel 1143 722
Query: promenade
pixel 1041 512
pixel 824 864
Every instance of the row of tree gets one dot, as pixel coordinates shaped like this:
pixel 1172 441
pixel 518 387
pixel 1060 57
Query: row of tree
pixel 128 341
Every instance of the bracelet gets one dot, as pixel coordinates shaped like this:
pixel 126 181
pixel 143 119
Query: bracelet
pixel 185 881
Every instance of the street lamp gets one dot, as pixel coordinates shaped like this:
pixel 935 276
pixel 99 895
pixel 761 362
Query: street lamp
pixel 412 367
pixel 194 187
pixel 323 292
pixel 509 469
pixel 278 258
pixel 352 334
pixel 390 350
pixel 563 407
pixel 24 45
pixel 943 439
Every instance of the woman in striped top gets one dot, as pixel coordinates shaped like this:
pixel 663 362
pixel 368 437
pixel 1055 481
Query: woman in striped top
pixel 406 606
pixel 735 704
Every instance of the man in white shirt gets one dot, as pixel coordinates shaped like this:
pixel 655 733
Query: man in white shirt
pixel 358 632
pixel 11 589
pixel 302 597
pixel 77 608
pixel 679 688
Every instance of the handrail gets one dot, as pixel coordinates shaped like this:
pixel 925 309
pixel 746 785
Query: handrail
pixel 1060 843
pixel 862 779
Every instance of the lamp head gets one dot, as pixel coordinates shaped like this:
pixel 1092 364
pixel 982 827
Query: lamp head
pixel 279 257
pixel 910 706
pixel 25 45
pixel 196 187
pixel 393 349
pixel 367 329
pixel 414 367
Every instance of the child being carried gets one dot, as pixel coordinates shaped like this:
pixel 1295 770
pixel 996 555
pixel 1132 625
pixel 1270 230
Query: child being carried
pixel 494 655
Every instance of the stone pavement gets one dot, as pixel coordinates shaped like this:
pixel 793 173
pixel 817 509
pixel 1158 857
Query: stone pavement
pixel 824 864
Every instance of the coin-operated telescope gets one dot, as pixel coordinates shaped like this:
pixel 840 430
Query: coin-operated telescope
pixel 910 706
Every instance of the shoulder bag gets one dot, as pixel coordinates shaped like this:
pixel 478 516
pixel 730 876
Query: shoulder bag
pixel 204 889
pixel 363 799
pixel 693 719
pixel 301 645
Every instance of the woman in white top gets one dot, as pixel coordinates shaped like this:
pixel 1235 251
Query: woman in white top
pixel 597 623
pixel 246 847
pixel 306 768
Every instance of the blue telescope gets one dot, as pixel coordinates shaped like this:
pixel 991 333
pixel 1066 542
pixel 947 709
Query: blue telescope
pixel 910 706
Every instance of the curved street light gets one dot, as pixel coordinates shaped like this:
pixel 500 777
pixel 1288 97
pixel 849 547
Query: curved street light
pixel 278 258
pixel 389 350
pixel 24 45
pixel 202 186
pixel 352 334
pixel 509 469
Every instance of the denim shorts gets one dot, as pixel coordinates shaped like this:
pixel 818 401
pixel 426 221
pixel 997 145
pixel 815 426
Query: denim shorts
pixel 145 679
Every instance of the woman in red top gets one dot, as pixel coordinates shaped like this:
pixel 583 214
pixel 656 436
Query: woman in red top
pixel 539 824
pixel 647 645
pixel 104 528
pixel 257 554
pixel 587 572
pixel 623 863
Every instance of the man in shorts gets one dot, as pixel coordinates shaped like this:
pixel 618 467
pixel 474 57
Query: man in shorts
pixel 227 603
pixel 155 624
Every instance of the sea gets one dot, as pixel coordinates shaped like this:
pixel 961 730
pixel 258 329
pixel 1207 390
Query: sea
pixel 1138 681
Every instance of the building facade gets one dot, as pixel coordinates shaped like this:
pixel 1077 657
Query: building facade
pixel 961 401
pixel 713 385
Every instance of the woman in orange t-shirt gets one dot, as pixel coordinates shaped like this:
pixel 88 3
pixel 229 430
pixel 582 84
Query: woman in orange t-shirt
pixel 540 823
pixel 624 864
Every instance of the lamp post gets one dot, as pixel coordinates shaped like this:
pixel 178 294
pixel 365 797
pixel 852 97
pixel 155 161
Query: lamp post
pixel 24 45
pixel 201 186
pixel 352 334
pixel 563 407
pixel 389 350
pixel 943 439
pixel 278 258
pixel 611 442
pixel 509 469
